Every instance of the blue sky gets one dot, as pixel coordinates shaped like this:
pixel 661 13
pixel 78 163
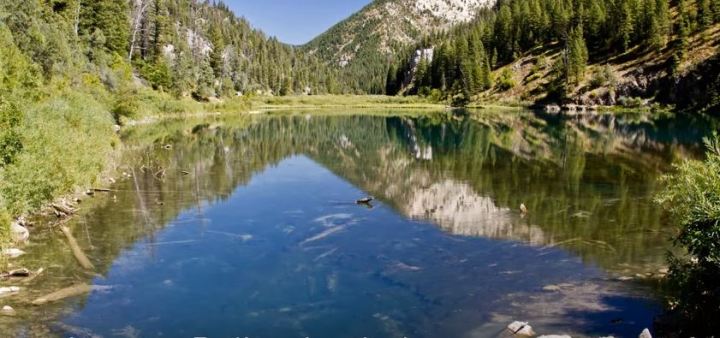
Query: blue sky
pixel 295 21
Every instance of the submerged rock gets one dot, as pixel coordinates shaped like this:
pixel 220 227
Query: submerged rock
pixel 12 252
pixel 521 329
pixel 8 290
pixel 8 311
pixel 19 233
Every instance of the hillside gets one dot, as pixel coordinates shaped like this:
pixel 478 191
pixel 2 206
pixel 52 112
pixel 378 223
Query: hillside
pixel 362 45
pixel 71 71
pixel 624 52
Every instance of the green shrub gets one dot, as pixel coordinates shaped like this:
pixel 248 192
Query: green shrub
pixel 631 102
pixel 603 77
pixel 692 197
pixel 10 143
pixel 67 141
pixel 505 81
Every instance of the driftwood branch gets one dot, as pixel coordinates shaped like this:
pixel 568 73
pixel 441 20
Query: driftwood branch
pixel 77 251
pixel 75 290
pixel 63 209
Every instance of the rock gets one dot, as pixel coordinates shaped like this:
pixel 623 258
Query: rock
pixel 8 311
pixel 116 128
pixel 664 271
pixel 19 233
pixel 555 336
pixel 8 290
pixel 521 329
pixel 645 334
pixel 12 252
pixel 552 109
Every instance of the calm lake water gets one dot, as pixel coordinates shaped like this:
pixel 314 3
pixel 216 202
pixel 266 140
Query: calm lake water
pixel 248 227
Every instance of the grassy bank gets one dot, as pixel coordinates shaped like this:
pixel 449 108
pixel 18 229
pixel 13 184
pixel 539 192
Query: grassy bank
pixel 64 141
pixel 66 134
pixel 344 101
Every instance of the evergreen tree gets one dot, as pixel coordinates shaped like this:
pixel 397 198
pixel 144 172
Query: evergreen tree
pixel 109 18
pixel 576 56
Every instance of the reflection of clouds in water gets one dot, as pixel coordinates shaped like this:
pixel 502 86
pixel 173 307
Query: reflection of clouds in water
pixel 457 208
pixel 334 220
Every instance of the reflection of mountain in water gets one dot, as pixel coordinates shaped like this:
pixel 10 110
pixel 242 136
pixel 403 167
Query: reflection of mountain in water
pixel 587 178
pixel 587 181
pixel 458 209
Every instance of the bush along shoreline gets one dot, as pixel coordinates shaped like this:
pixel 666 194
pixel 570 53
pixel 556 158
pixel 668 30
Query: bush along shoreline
pixel 692 198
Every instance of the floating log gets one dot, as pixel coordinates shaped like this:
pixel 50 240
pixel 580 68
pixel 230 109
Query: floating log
pixel 101 190
pixel 365 200
pixel 75 290
pixel 77 251
pixel 63 209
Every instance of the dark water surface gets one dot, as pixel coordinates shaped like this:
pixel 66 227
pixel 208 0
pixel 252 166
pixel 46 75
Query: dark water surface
pixel 248 227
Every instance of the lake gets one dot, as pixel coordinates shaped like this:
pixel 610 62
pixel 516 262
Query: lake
pixel 247 226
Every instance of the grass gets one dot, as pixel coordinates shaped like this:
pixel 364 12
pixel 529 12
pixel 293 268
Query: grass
pixel 344 101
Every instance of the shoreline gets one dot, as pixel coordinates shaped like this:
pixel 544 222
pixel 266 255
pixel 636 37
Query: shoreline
pixel 358 104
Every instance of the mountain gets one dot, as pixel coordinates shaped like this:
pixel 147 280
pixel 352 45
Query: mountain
pixel 362 45
pixel 585 52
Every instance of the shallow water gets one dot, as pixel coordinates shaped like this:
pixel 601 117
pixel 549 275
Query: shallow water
pixel 248 227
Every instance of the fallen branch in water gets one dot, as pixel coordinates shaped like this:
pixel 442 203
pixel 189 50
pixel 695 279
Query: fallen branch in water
pixel 77 251
pixel 33 276
pixel 63 209
pixel 75 290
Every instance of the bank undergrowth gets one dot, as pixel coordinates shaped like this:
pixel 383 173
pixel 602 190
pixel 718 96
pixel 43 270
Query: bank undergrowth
pixel 692 197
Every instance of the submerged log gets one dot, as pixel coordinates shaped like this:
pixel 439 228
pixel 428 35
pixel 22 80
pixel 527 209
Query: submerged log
pixel 63 209
pixel 72 291
pixel 77 251
pixel 33 276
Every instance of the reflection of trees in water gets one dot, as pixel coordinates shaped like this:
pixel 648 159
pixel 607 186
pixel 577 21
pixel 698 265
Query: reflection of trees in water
pixel 586 185
pixel 585 181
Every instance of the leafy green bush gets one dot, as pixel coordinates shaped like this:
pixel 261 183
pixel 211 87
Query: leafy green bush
pixel 603 77
pixel 67 141
pixel 10 143
pixel 692 197
pixel 631 102
pixel 505 81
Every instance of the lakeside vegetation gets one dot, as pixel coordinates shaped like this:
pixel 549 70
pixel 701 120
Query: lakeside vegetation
pixel 692 197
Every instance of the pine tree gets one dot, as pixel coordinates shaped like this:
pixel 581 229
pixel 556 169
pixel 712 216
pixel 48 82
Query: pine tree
pixel 110 18
pixel 576 56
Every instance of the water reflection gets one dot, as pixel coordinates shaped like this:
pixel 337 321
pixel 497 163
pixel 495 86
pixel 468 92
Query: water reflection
pixel 256 214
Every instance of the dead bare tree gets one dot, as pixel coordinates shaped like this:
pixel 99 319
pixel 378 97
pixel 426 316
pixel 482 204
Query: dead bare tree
pixel 139 9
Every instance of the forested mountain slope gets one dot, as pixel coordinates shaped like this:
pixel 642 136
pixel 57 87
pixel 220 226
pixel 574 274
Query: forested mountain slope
pixel 582 51
pixel 362 45
pixel 72 69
